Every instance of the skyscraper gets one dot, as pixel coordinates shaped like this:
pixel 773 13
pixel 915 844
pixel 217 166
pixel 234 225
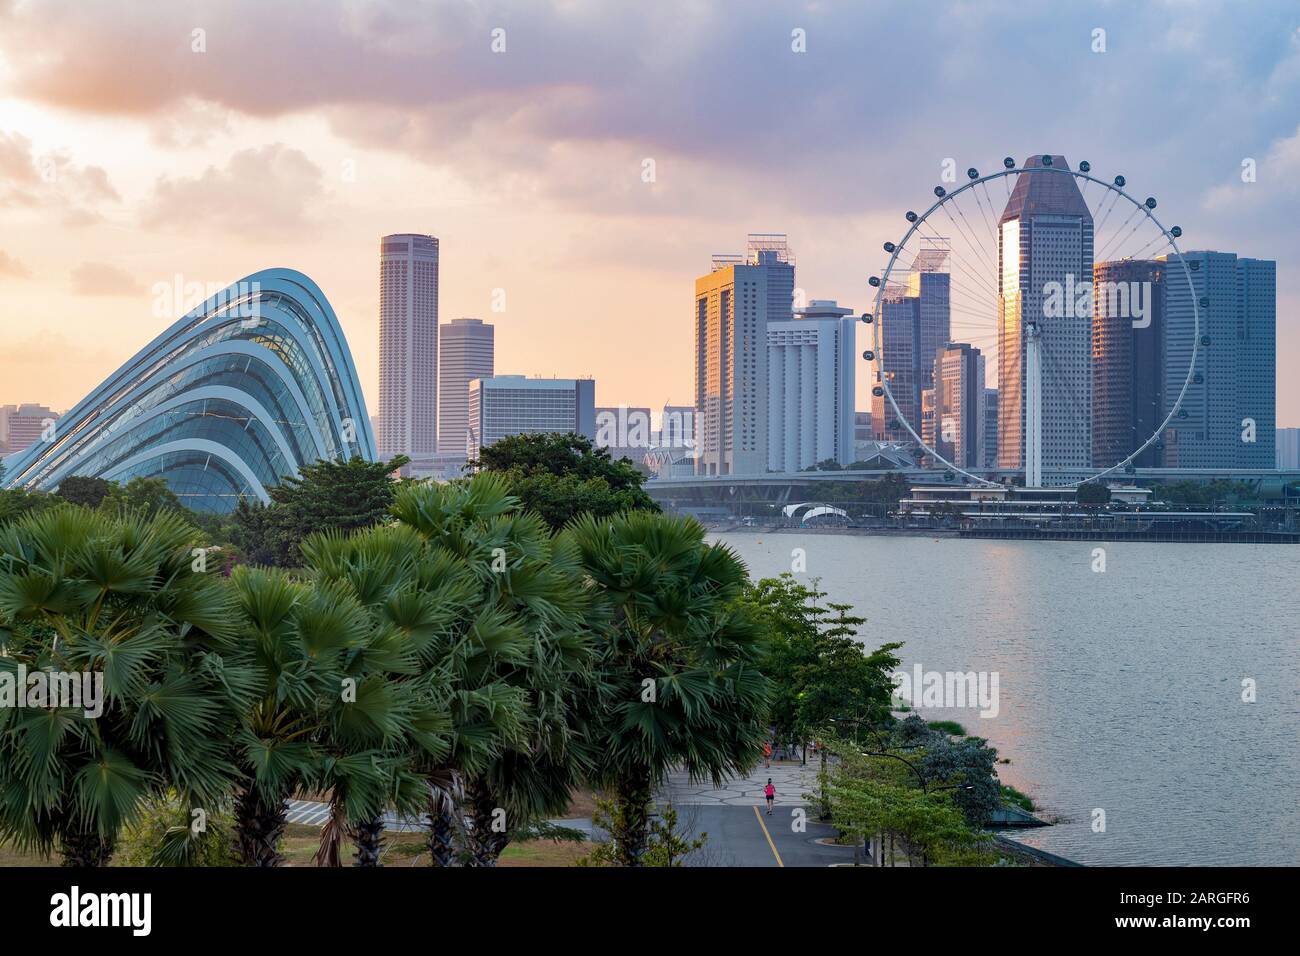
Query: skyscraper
pixel 959 404
pixel 1128 378
pixel 734 304
pixel 990 427
pixel 1228 418
pixel 915 320
pixel 465 352
pixel 1044 255
pixel 810 362
pixel 408 345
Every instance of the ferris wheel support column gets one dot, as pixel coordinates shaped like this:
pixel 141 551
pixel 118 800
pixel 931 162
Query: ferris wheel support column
pixel 1033 408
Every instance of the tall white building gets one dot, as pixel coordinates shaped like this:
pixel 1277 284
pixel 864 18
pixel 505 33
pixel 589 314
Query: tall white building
pixel 514 405
pixel 465 352
pixel 408 346
pixel 734 304
pixel 810 362
pixel 1045 247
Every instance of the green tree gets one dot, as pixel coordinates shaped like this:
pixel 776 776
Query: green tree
pixel 560 476
pixel 118 599
pixel 680 654
pixel 343 705
pixel 1093 493
pixel 146 496
pixel 81 490
pixel 325 496
pixel 532 581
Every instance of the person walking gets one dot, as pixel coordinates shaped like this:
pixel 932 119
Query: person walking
pixel 770 793
pixel 767 755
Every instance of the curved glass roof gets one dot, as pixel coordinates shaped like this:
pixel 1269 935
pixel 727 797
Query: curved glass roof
pixel 234 396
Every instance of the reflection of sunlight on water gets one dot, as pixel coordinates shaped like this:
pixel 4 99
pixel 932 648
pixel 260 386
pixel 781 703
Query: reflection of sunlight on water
pixel 1118 690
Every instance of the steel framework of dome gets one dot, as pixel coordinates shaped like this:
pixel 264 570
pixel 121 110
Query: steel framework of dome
pixel 234 396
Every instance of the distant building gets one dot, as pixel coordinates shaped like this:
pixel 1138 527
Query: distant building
pixel 1228 417
pixel 465 352
pixel 991 427
pixel 915 322
pixel 677 427
pixel 514 405
pixel 863 436
pixel 928 421
pixel 1128 373
pixel 1045 239
pixel 810 362
pixel 408 346
pixel 23 425
pixel 734 304
pixel 1288 448
pixel 959 413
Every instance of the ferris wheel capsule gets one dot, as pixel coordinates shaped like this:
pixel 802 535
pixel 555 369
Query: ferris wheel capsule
pixel 1009 163
pixel 1085 166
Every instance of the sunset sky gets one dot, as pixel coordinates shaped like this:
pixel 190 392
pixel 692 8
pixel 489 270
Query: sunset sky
pixel 306 130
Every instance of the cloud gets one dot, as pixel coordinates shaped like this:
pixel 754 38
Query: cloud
pixel 9 266
pixel 100 278
pixel 269 190
pixel 51 181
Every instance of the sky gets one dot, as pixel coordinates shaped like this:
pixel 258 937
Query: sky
pixel 145 141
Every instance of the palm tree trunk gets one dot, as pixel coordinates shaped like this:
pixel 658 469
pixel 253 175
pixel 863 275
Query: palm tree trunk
pixel 259 827
pixel 370 841
pixel 487 843
pixel 85 849
pixel 442 845
pixel 631 821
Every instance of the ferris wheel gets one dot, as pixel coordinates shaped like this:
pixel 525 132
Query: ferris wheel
pixel 1074 295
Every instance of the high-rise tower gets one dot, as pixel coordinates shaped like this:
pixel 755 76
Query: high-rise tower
pixel 465 352
pixel 733 305
pixel 1044 262
pixel 408 345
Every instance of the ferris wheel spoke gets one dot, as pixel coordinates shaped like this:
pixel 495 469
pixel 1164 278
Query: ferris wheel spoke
pixel 1101 256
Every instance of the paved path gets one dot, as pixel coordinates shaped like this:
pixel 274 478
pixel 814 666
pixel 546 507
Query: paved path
pixel 791 780
pixel 740 832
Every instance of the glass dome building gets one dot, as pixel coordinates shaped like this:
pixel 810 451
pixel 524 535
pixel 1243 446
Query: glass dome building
pixel 236 395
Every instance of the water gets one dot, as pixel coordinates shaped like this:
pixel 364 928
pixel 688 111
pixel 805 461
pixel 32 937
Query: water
pixel 1119 691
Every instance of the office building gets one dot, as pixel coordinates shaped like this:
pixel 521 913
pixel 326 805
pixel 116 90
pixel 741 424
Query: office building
pixel 734 304
pixel 1045 246
pixel 915 322
pixel 514 405
pixel 465 352
pixel 1288 449
pixel 1228 413
pixel 810 362
pixel 1128 378
pixel 408 345
pixel 959 405
pixel 22 425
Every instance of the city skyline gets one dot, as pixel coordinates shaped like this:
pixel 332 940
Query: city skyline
pixel 110 189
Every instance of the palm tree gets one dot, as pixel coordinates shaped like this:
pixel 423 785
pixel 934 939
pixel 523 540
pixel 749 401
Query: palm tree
pixel 444 648
pixel 529 597
pixel 121 599
pixel 336 711
pixel 681 655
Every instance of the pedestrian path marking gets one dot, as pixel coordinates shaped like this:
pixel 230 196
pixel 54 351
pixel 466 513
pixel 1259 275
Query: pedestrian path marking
pixel 769 837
